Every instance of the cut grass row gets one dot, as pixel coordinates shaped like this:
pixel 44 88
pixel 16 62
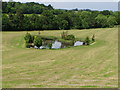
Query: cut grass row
pixel 82 66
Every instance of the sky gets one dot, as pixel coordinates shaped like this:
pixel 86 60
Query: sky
pixel 80 4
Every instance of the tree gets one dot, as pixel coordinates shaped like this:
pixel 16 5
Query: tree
pixel 5 22
pixel 12 21
pixel 64 25
pixel 111 21
pixel 47 18
pixel 77 21
pixel 26 24
pixel 101 21
pixel 50 7
pixel 66 19
pixel 48 14
pixel 56 23
pixel 38 41
pixel 34 21
pixel 19 19
pixel 106 12
pixel 86 19
pixel 85 24
pixel 4 6
pixel 117 17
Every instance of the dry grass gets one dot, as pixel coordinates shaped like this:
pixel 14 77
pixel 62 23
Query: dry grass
pixel 83 66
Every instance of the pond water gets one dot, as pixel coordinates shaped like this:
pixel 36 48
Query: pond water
pixel 78 43
pixel 57 44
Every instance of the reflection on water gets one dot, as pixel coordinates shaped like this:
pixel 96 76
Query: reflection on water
pixel 78 43
pixel 56 45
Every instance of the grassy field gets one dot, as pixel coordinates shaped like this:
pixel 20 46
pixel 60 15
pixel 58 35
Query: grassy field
pixel 77 67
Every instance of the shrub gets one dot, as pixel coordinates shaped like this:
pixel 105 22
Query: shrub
pixel 28 38
pixel 66 42
pixel 70 37
pixel 87 41
pixel 64 34
pixel 38 41
pixel 27 45
pixel 93 38
pixel 50 45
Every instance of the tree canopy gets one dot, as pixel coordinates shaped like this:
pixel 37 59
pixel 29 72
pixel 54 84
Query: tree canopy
pixel 34 16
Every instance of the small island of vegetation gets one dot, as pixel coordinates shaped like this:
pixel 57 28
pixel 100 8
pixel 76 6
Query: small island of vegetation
pixel 52 42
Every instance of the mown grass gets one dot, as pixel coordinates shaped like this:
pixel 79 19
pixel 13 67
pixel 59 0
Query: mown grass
pixel 83 66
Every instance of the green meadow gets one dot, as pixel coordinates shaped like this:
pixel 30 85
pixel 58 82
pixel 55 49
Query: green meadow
pixel 93 66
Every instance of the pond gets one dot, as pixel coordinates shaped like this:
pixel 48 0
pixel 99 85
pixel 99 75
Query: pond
pixel 78 43
pixel 57 44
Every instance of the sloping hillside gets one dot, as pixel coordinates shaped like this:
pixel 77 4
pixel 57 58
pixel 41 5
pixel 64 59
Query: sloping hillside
pixel 84 66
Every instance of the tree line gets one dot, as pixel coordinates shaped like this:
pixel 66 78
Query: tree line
pixel 35 16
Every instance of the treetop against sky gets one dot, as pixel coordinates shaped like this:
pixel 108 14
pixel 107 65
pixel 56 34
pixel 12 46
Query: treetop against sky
pixel 66 0
pixel 68 4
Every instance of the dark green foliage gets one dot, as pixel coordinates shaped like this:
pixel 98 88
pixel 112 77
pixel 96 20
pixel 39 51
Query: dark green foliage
pixel 63 25
pixel 38 41
pixel 70 37
pixel 34 16
pixel 64 35
pixel 87 41
pixel 5 22
pixel 50 45
pixel 86 19
pixel 28 38
pixel 117 17
pixel 111 21
pixel 48 37
pixel 27 8
pixel 93 38
pixel 27 45
pixel 106 12
pixel 101 21
pixel 66 42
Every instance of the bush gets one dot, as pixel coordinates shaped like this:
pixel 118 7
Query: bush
pixel 70 37
pixel 87 41
pixel 38 41
pixel 27 45
pixel 50 45
pixel 66 42
pixel 93 38
pixel 64 34
pixel 28 38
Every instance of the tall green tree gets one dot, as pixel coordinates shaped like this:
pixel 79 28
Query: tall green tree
pixel 86 19
pixel 111 21
pixel 19 19
pixel 5 22
pixel 101 21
